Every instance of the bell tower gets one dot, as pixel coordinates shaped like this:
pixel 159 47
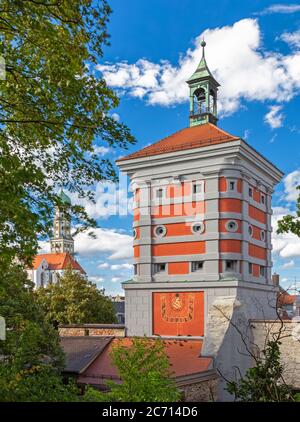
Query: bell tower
pixel 203 94
pixel 62 240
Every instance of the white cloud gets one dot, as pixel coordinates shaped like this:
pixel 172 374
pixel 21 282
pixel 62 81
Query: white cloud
pixel 291 181
pixel 100 150
pixel 274 118
pixel 110 199
pixel 235 56
pixel 116 117
pixel 292 38
pixel 125 266
pixel 96 279
pixel 115 279
pixel 103 265
pixel 116 245
pixel 281 8
pixel 285 245
pixel 289 264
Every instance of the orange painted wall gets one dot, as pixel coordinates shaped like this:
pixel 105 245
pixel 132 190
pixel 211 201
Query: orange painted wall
pixel 175 210
pixel 231 246
pixel 178 268
pixel 257 251
pixel 222 184
pixel 136 251
pixel 138 233
pixel 256 194
pixel 230 205
pixel 222 225
pixel 168 249
pixel 178 314
pixel 178 229
pixel 136 214
pixel 256 232
pixel 257 214
pixel 178 191
pixel 239 186
pixel 255 270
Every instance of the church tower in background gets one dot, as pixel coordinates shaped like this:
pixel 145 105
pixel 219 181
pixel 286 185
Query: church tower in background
pixel 62 240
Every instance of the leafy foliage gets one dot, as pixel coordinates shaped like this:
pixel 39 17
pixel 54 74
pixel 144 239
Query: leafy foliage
pixel 54 110
pixel 75 300
pixel 291 223
pixel 31 354
pixel 264 382
pixel 145 373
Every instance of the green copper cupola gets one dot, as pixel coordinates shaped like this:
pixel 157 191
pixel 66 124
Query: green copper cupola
pixel 203 94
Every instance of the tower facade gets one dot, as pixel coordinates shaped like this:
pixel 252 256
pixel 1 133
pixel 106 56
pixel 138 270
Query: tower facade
pixel 201 224
pixel 62 240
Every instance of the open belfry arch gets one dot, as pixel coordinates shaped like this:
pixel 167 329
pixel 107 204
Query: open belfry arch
pixel 201 224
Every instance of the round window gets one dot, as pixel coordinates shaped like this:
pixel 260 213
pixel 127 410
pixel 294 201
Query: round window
pixel 250 230
pixel 262 235
pixel 232 226
pixel 160 231
pixel 198 228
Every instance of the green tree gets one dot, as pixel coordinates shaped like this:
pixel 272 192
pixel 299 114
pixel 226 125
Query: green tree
pixel 145 373
pixel 31 357
pixel 75 300
pixel 54 110
pixel 264 382
pixel 291 223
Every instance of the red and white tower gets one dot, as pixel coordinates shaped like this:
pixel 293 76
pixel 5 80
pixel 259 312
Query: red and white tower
pixel 202 223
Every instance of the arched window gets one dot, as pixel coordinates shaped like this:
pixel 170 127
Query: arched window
pixel 212 102
pixel 199 105
pixel 42 279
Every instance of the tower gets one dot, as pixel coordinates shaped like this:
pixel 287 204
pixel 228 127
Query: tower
pixel 201 223
pixel 203 94
pixel 62 240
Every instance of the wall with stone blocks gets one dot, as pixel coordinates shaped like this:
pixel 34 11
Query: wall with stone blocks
pixel 289 348
pixel 90 331
pixel 228 331
pixel 204 391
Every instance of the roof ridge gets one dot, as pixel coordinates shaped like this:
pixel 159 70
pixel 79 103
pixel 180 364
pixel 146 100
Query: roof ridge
pixel 183 139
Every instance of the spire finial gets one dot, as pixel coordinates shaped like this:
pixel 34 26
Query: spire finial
pixel 203 44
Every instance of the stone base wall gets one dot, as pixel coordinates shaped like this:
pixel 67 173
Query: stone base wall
pixel 204 391
pixel 87 330
pixel 289 348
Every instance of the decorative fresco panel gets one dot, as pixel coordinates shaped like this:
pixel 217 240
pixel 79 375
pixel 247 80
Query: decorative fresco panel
pixel 178 313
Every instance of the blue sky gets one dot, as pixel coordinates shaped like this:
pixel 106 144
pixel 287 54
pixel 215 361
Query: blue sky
pixel 253 49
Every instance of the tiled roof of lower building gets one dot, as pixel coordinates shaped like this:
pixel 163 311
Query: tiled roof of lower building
pixel 188 138
pixel 80 352
pixel 184 357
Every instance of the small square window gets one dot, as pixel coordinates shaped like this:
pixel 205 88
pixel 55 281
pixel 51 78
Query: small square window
pixel 197 188
pixel 231 185
pixel 197 266
pixel 250 268
pixel 262 271
pixel 159 193
pixel 159 268
pixel 250 192
pixel 231 266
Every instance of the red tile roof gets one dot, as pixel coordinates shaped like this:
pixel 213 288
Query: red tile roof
pixel 188 138
pixel 57 261
pixel 286 299
pixel 184 357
